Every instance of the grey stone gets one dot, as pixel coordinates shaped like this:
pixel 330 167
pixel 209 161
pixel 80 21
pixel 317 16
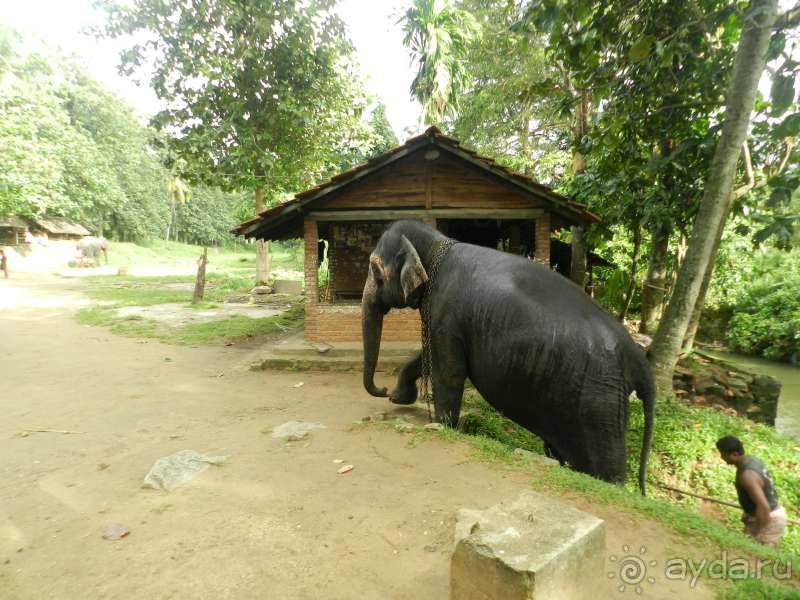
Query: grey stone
pixel 434 426
pixel 295 430
pixel 741 401
pixel 261 290
pixel 288 286
pixel 536 458
pixel 737 384
pixel 322 347
pixel 766 387
pixel 405 427
pixel 532 548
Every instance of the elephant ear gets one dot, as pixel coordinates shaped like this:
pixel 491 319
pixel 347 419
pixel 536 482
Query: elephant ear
pixel 412 273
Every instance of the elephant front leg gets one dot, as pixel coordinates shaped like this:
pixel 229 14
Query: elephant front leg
pixel 406 390
pixel 448 389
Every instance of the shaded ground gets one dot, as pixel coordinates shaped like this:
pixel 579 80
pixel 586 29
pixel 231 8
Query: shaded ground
pixel 276 521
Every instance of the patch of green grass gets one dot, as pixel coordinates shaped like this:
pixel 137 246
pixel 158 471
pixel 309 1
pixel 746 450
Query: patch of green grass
pixel 202 305
pixel 146 291
pixel 758 589
pixel 684 455
pixel 683 445
pixel 232 328
pixel 480 419
pixel 235 327
pixel 242 257
pixel 137 295
pixel 132 326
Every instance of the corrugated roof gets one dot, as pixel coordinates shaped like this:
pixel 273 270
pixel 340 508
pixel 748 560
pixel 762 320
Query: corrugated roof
pixel 13 221
pixel 61 225
pixel 292 210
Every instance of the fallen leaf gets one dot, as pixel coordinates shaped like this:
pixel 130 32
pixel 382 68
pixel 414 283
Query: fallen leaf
pixel 297 385
pixel 345 469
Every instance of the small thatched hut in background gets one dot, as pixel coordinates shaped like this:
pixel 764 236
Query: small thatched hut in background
pixel 60 228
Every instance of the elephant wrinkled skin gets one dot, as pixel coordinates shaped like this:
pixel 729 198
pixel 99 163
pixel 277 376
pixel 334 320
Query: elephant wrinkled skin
pixel 533 343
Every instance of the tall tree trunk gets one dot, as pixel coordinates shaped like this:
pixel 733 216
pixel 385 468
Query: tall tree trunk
pixel 171 223
pixel 577 269
pixel 200 281
pixel 262 246
pixel 637 244
pixel 654 287
pixel 748 66
pixel 694 323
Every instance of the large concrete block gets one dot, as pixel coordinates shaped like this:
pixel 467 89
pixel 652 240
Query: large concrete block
pixel 288 286
pixel 533 547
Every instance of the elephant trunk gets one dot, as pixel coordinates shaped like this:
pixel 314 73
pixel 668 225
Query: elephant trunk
pixel 371 326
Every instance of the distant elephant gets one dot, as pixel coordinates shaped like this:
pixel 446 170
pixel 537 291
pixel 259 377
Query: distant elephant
pixel 91 247
pixel 533 343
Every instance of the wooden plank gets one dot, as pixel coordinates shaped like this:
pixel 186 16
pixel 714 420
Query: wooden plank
pixel 436 213
pixel 559 206
pixel 428 185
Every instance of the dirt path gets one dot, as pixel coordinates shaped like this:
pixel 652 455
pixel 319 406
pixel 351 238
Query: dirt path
pixel 276 521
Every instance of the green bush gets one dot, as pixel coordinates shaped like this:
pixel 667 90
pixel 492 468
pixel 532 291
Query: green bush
pixel 766 318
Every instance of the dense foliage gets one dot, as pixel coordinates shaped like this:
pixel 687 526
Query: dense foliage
pixel 621 105
pixel 766 313
pixel 258 95
pixel 72 148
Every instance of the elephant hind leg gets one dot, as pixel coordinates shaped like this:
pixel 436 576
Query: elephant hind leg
pixel 602 455
pixel 551 451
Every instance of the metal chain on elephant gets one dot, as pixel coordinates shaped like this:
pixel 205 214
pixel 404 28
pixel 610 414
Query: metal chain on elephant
pixel 425 312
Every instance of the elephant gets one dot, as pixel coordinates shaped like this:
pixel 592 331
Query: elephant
pixel 534 345
pixel 91 247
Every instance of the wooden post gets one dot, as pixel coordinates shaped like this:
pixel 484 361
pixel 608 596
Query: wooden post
pixel 542 240
pixel 200 282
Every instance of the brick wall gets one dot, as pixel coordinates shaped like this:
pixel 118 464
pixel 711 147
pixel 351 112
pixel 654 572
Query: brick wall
pixel 310 239
pixel 542 239
pixel 342 323
pixel 332 323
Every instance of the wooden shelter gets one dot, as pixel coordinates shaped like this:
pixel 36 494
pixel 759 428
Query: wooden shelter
pixel 12 231
pixel 431 178
pixel 60 228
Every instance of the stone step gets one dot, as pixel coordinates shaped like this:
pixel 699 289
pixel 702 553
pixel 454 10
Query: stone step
pixel 308 362
pixel 309 351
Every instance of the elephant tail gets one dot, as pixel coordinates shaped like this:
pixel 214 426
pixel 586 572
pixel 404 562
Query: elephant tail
pixel 646 392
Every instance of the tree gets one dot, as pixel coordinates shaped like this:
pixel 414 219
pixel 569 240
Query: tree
pixel 438 35
pixel 384 137
pixel 751 57
pixel 258 93
pixel 513 109
pixel 178 193
pixel 72 148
